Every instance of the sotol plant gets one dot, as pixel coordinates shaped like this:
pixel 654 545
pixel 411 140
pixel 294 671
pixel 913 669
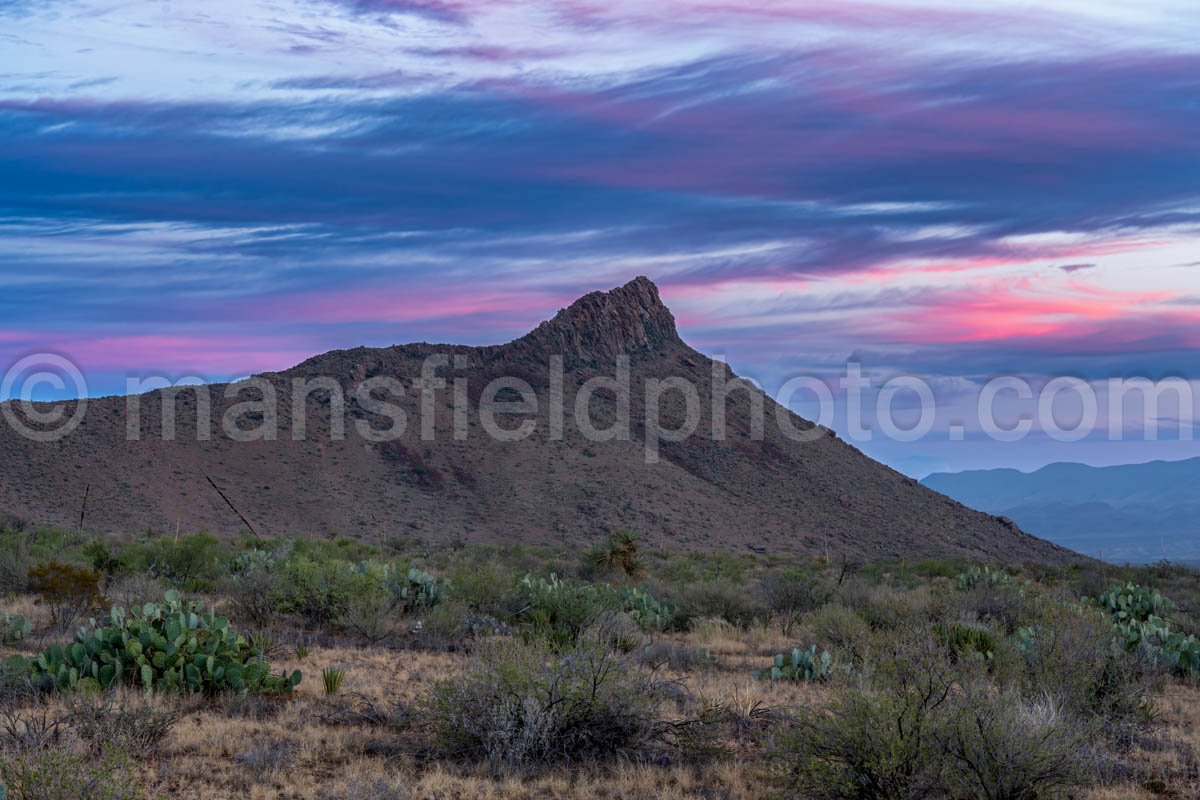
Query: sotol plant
pixel 332 678
pixel 171 646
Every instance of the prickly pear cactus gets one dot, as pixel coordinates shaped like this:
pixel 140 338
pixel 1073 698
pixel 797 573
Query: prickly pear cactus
pixel 168 646
pixel 799 665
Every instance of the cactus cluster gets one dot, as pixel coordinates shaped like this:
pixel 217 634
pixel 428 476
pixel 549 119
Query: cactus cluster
pixel 13 628
pixel 648 612
pixel 416 589
pixel 1141 616
pixel 982 576
pixel 799 665
pixel 168 646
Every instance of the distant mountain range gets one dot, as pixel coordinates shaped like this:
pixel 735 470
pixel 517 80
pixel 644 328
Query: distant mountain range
pixel 1134 512
pixel 739 491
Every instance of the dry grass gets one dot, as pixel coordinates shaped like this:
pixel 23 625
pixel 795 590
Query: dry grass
pixel 362 744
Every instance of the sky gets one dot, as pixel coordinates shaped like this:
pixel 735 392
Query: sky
pixel 950 190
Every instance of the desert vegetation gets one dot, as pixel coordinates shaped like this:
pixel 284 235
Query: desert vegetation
pixel 156 666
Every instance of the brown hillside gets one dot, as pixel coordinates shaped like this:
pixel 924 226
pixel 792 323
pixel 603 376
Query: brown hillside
pixel 771 494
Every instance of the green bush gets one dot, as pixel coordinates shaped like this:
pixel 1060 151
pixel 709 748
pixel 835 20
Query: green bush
pixel 524 705
pixel 868 746
pixel 325 591
pixel 788 594
pixel 194 562
pixel 557 610
pixel 837 628
pixel 722 598
pixel 924 727
pixel 172 646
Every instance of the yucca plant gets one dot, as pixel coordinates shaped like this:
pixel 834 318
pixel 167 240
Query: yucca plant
pixel 332 678
pixel 619 554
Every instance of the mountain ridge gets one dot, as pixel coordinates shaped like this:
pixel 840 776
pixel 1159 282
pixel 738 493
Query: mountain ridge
pixel 737 491
pixel 1127 512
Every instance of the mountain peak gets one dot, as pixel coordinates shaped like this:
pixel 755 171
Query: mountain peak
pixel 600 326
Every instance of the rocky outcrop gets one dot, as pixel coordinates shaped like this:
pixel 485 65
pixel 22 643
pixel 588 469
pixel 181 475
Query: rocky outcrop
pixel 600 326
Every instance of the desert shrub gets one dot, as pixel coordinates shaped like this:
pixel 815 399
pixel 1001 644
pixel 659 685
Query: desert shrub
pixel 881 607
pixel 319 591
pixel 109 721
pixel 676 656
pixel 1070 656
pixel 520 706
pixel 1000 746
pixel 16 559
pixel 57 773
pixel 924 726
pixel 360 595
pixel 1007 605
pixel 130 589
pixel 67 590
pixel 370 615
pixel 557 610
pixel 254 595
pixel 488 587
pixel 836 627
pixel 193 562
pixel 173 646
pixel 691 567
pixel 869 746
pixel 722 598
pixel 788 594
pixel 29 723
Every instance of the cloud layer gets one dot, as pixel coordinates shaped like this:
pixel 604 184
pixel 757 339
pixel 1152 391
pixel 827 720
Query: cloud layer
pixel 958 191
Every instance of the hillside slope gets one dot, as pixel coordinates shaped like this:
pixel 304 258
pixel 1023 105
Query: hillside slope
pixel 768 494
